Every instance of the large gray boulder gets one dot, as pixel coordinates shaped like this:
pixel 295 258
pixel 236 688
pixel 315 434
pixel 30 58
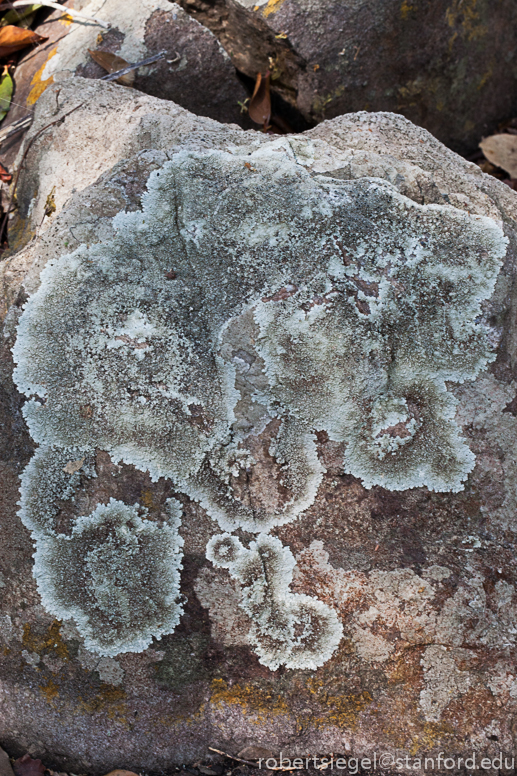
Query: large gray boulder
pixel 258 429
pixel 433 62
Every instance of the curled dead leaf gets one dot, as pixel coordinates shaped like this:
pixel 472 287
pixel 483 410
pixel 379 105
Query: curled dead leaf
pixel 111 63
pixel 16 38
pixel 501 150
pixel 259 109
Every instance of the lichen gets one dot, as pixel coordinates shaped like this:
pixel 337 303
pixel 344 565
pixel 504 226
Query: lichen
pixel 289 629
pixel 116 575
pixel 247 306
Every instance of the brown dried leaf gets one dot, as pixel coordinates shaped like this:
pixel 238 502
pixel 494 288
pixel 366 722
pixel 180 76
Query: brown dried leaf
pixel 15 38
pixel 259 109
pixel 73 466
pixel 253 752
pixel 501 150
pixel 111 63
pixel 121 773
pixel 26 766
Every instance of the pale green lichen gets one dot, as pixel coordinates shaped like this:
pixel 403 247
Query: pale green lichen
pixel 117 575
pixel 259 301
pixel 289 629
pixel 46 484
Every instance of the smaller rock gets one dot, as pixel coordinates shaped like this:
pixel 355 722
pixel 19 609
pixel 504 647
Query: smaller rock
pixel 5 765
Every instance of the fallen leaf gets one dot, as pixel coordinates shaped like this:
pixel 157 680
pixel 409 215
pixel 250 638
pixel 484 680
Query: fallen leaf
pixel 26 766
pixel 73 466
pixel 6 92
pixel 121 773
pixel 253 752
pixel 111 63
pixel 259 109
pixel 5 176
pixel 15 38
pixel 501 150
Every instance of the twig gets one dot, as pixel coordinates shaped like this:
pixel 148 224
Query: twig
pixel 15 127
pixel 129 68
pixel 29 146
pixel 58 7
pixel 248 762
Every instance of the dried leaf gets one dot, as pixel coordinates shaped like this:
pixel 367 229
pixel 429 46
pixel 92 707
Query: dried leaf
pixel 15 38
pixel 253 752
pixel 5 176
pixel 26 766
pixel 111 63
pixel 259 109
pixel 6 92
pixel 121 773
pixel 73 466
pixel 501 150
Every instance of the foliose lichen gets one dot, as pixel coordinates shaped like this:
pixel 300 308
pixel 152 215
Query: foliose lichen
pixel 117 575
pixel 289 629
pixel 247 306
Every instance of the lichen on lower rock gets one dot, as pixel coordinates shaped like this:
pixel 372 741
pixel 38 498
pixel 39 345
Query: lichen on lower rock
pixel 289 629
pixel 117 575
pixel 247 306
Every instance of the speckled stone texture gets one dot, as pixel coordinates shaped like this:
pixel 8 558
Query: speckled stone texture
pixel 423 582
pixel 433 62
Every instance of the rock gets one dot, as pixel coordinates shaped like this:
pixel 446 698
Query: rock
pixel 287 365
pixel 432 62
pixel 195 72
pixel 5 765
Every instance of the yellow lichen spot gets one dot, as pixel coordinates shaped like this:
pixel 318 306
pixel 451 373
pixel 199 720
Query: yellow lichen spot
pixel 464 13
pixel 405 9
pixel 147 499
pixel 434 734
pixel 486 77
pixel 110 700
pixel 39 86
pixel 272 6
pixel 50 690
pixel 342 711
pixel 50 642
pixel 321 103
pixel 250 697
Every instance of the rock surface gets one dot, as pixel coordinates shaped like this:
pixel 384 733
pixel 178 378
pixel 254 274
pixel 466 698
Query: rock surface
pixel 339 591
pixel 434 63
pixel 195 72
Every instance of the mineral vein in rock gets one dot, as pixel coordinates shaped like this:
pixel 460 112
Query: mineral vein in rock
pixel 251 302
